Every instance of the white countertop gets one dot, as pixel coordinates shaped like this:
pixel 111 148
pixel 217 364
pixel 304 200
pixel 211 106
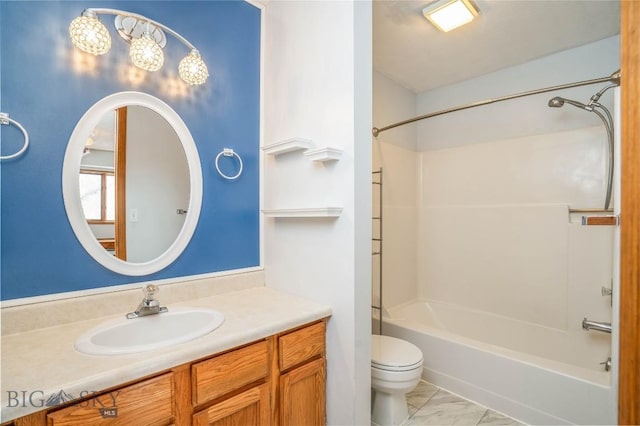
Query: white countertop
pixel 43 362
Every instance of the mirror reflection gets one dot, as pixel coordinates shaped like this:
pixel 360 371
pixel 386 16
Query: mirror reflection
pixel 134 183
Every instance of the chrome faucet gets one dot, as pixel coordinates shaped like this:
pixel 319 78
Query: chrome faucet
pixel 595 325
pixel 149 305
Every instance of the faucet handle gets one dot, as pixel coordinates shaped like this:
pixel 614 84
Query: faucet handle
pixel 150 290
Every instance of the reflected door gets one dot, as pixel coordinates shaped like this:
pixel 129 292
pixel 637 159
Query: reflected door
pixel 120 154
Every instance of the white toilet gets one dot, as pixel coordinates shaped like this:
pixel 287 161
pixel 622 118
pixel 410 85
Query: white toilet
pixel 396 368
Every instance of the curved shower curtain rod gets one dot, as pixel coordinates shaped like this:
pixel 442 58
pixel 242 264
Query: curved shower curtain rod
pixel 613 78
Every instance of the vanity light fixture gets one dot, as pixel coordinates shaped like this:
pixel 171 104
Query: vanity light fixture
pixel 145 53
pixel 447 15
pixel 146 37
pixel 89 34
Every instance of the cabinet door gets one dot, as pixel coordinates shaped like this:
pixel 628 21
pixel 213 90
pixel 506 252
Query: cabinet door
pixel 149 402
pixel 303 395
pixel 249 408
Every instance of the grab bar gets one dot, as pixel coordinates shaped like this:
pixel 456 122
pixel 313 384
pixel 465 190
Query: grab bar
pixel 590 210
pixel 5 120
pixel 595 325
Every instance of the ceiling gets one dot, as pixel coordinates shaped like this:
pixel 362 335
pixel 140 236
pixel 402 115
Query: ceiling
pixel 412 52
pixel 103 136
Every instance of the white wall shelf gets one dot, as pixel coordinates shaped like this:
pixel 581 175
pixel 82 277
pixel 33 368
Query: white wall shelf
pixel 322 155
pixel 304 212
pixel 285 146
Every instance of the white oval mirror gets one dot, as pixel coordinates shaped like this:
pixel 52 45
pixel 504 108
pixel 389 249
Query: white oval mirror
pixel 132 183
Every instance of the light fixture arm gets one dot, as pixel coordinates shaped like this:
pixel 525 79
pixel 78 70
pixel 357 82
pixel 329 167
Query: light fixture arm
pixel 105 11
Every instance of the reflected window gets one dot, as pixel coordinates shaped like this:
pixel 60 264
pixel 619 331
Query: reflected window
pixel 97 194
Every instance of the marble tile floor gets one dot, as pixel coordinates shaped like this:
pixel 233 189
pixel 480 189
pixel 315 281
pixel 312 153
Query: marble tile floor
pixel 430 405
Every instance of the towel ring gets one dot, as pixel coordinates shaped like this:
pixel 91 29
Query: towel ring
pixel 4 119
pixel 228 152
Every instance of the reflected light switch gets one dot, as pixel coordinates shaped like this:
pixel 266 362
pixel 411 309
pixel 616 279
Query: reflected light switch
pixel 133 215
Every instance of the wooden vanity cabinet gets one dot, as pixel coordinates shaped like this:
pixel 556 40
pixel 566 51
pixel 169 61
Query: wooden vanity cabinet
pixel 293 366
pixel 279 380
pixel 302 376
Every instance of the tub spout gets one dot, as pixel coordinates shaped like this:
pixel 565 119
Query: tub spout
pixel 595 325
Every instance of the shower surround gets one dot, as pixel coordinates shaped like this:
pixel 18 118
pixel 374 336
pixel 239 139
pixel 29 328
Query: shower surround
pixel 503 286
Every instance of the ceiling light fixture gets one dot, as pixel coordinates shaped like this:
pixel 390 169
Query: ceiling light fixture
pixel 447 15
pixel 147 38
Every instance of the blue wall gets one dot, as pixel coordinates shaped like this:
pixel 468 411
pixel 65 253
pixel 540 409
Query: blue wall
pixel 42 89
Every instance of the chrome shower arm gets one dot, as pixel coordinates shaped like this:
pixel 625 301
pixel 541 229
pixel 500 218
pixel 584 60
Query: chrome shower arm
pixel 92 11
pixel 595 98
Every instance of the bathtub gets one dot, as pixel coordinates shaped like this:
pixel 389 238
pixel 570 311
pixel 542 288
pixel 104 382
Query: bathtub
pixel 467 352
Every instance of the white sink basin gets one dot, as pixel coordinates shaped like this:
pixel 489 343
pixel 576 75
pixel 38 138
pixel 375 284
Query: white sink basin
pixel 125 336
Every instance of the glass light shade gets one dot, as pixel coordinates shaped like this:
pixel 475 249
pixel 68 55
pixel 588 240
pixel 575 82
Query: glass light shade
pixel 448 15
pixel 146 53
pixel 192 69
pixel 90 35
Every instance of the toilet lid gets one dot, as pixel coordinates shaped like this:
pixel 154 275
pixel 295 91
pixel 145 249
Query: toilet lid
pixel 390 353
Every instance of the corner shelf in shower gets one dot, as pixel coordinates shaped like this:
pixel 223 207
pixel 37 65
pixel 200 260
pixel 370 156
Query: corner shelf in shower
pixel 309 212
pixel 286 146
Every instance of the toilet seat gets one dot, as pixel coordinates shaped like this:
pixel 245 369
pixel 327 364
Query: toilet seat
pixel 396 368
pixel 392 354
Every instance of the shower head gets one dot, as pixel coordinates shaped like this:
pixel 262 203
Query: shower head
pixel 558 102
pixel 595 107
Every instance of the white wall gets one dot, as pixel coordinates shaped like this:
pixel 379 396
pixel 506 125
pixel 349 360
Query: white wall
pixel 157 184
pixel 523 116
pixel 393 103
pixel 317 85
pixel 395 152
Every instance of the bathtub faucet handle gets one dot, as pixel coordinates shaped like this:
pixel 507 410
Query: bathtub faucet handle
pixel 608 291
